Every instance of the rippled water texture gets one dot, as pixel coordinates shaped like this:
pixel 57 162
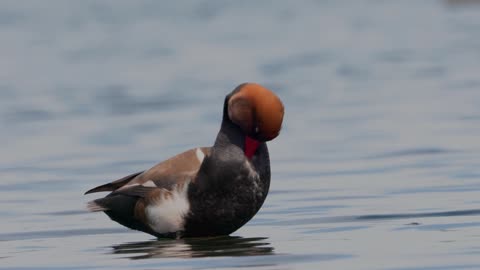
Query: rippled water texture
pixel 377 166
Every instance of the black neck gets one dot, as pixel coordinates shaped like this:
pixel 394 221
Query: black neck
pixel 229 134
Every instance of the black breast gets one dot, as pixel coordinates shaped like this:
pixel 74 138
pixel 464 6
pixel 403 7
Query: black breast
pixel 227 193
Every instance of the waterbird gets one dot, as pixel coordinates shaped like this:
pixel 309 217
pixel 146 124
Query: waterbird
pixel 205 191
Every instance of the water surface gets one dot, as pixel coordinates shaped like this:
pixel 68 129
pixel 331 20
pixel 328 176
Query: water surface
pixel 377 166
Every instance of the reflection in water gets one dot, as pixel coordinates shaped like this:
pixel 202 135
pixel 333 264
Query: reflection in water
pixel 196 247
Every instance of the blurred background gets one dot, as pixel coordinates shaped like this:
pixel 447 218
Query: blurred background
pixel 378 165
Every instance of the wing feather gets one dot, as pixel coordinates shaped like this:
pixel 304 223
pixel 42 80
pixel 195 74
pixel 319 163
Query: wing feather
pixel 114 185
pixel 165 175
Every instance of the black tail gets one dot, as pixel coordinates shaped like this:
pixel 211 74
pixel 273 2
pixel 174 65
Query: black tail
pixel 120 208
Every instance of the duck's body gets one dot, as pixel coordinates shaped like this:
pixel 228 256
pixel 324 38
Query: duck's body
pixel 204 191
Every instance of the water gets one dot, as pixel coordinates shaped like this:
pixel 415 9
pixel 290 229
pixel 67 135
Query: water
pixel 377 167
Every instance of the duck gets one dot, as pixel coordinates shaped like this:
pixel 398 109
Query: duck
pixel 205 191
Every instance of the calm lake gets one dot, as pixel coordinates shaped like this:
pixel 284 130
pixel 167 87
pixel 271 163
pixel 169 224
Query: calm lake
pixel 377 166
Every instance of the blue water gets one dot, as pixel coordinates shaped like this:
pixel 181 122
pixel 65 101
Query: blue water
pixel 377 166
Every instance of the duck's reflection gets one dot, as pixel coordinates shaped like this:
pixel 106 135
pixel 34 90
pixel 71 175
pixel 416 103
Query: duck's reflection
pixel 196 247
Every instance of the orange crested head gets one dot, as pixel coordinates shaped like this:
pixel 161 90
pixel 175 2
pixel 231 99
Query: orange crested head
pixel 257 111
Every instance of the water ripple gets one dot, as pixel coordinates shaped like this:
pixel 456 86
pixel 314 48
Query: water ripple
pixel 440 227
pixel 58 234
pixel 413 152
pixel 373 217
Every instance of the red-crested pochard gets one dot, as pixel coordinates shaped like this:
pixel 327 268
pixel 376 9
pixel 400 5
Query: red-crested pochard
pixel 206 191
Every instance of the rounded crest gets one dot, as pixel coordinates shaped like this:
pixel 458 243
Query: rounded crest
pixel 257 111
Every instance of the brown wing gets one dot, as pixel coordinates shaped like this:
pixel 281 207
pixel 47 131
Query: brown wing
pixel 166 174
pixel 113 185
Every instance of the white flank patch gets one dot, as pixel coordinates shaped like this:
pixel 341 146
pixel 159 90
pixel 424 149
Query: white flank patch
pixel 200 155
pixel 168 214
pixel 149 183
